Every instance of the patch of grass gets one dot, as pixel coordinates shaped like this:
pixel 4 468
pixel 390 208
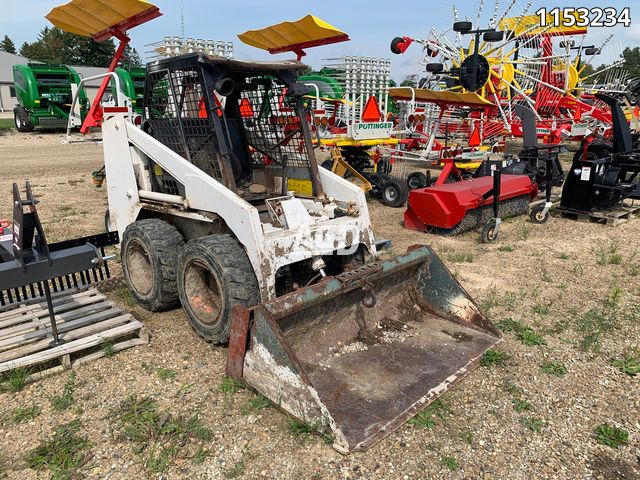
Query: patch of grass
pixel 304 429
pixel 541 310
pixel 25 414
pixel 506 248
pixel 64 401
pixel 107 348
pixel 201 455
pixel 532 423
pixel 494 357
pixel 256 404
pixel 166 373
pixel 609 255
pixel 523 332
pixel 577 269
pixel 467 437
pixel 15 380
pixel 563 256
pixel 427 417
pixel 525 231
pixel 449 462
pixel 159 436
pixel 628 364
pixel 611 436
pixel 239 466
pixel 558 327
pixel 230 386
pixel 593 325
pixel 124 295
pixel 513 389
pixel 491 300
pixel 6 123
pixel 64 454
pixel 461 257
pixel 521 405
pixel 554 368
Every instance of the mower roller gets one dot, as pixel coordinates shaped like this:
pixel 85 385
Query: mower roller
pixel 458 206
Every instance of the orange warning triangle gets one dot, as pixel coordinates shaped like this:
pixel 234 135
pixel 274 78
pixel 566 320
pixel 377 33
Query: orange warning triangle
pixel 246 110
pixel 371 111
pixel 474 141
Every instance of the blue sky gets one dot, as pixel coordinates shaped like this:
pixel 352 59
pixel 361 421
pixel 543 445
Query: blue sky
pixel 370 24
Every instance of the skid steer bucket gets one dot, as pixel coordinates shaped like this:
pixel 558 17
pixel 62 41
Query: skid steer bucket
pixel 360 353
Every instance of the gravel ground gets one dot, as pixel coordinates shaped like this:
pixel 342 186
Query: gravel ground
pixel 550 277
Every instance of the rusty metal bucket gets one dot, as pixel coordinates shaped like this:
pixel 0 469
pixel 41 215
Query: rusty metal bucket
pixel 362 352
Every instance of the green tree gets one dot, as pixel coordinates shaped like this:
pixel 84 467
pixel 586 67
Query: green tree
pixel 131 58
pixel 410 81
pixel 7 45
pixel 58 47
pixel 631 58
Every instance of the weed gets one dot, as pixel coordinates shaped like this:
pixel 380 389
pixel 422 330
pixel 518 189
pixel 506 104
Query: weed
pixel 492 299
pixel 159 436
pixel 201 455
pixel 64 454
pixel 525 231
pixel 521 405
pixel 510 301
pixel 513 389
pixel 108 349
pixel 506 248
pixel 461 257
pixel 532 423
pixel 554 368
pixel 14 380
pixel 239 466
pixel 124 295
pixel 230 386
pixel 540 309
pixel 615 259
pixel 64 401
pixel 593 325
pixel 523 332
pixel 25 414
pixel 608 256
pixel 449 462
pixel 166 373
pixel 300 428
pixel 628 364
pixel 427 417
pixel 611 436
pixel 633 269
pixel 73 183
pixel 577 269
pixel 184 389
pixel 256 404
pixel 467 437
pixel 558 327
pixel 493 357
pixel 563 256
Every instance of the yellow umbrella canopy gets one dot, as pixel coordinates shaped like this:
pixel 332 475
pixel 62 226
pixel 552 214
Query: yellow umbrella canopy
pixel 100 19
pixel 309 31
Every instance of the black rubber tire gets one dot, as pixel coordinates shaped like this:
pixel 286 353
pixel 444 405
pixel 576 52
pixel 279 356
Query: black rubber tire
pixel 214 274
pixel 327 165
pixel 489 233
pixel 395 45
pixel 462 26
pixel 150 250
pixel 417 180
pixel 394 193
pixel 594 153
pixel 22 120
pixel 434 67
pixel 536 216
pixel 384 166
pixel 377 181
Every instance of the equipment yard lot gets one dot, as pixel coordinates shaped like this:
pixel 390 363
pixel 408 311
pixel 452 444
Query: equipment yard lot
pixel 576 285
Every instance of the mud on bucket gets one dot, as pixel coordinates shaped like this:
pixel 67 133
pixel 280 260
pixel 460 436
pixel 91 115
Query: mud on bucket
pixel 362 352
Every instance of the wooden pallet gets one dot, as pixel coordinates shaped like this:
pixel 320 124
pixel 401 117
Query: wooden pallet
pixel 87 322
pixel 610 216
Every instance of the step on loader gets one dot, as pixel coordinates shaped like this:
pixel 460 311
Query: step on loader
pixel 222 208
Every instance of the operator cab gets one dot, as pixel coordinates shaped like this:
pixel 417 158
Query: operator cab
pixel 243 123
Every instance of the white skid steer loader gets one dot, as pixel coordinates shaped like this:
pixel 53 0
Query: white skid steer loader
pixel 222 208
